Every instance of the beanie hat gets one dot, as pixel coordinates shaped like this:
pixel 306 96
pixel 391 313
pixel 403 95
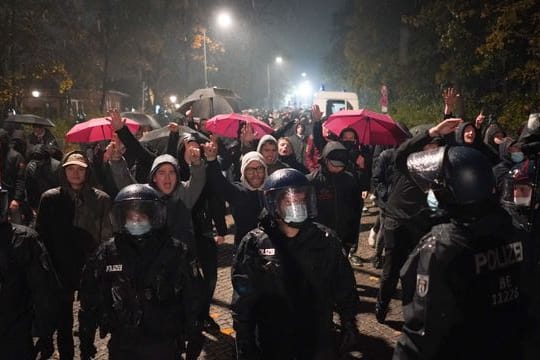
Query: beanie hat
pixel 246 159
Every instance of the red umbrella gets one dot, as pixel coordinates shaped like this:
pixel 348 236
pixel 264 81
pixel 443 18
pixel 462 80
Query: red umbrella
pixel 227 125
pixel 97 129
pixel 372 128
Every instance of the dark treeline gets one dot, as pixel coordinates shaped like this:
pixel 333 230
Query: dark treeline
pixel 489 50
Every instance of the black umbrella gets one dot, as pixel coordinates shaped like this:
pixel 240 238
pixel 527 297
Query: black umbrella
pixel 30 119
pixel 415 130
pixel 158 138
pixel 205 103
pixel 142 118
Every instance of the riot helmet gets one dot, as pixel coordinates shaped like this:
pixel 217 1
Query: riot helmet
pixel 458 175
pixel 4 206
pixel 518 185
pixel 137 210
pixel 289 196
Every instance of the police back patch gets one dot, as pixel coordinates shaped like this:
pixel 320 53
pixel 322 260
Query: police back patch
pixel 113 268
pixel 422 285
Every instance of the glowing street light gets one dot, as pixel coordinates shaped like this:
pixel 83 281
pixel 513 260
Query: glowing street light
pixel 224 20
pixel 36 93
pixel 278 60
pixel 173 99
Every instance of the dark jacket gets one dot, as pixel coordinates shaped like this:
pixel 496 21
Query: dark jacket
pixel 339 202
pixel 299 146
pixel 12 166
pixel 28 289
pixel 407 201
pixel 285 292
pixel 72 225
pixel 292 162
pixel 138 289
pixel 383 176
pixel 246 204
pixel 41 174
pixel 462 296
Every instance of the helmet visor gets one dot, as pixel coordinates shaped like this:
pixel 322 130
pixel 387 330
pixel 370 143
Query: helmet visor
pixel 292 204
pixel 138 211
pixel 426 168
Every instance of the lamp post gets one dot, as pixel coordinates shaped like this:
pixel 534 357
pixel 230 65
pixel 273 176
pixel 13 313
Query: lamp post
pixel 224 20
pixel 278 61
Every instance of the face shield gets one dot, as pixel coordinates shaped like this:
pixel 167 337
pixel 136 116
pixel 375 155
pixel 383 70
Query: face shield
pixel 426 169
pixel 138 217
pixel 294 205
pixel 517 185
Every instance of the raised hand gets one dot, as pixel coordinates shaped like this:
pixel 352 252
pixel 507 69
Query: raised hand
pixel 173 127
pixel 116 120
pixel 248 134
pixel 210 149
pixel 445 127
pixel 450 96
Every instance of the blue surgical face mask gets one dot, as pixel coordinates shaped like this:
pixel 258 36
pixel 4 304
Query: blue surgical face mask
pixel 296 213
pixel 138 228
pixel 432 201
pixel 517 157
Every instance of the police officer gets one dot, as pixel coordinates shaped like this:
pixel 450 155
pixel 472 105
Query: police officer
pixel 462 286
pixel 27 290
pixel 139 285
pixel 289 275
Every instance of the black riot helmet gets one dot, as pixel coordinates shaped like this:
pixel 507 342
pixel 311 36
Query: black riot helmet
pixel 289 196
pixel 4 206
pixel 458 175
pixel 138 209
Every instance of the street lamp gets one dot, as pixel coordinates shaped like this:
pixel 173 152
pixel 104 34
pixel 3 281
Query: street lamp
pixel 278 60
pixel 36 93
pixel 173 99
pixel 224 20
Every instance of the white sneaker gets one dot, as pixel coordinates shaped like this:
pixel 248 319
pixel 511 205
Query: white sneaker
pixel 372 238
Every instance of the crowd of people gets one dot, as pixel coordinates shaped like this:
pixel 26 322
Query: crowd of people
pixel 132 233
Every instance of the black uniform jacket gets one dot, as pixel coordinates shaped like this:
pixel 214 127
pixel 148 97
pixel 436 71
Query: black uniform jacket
pixel 140 289
pixel 285 291
pixel 462 292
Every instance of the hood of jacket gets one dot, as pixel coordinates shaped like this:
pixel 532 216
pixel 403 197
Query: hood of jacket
pixel 158 162
pixel 267 139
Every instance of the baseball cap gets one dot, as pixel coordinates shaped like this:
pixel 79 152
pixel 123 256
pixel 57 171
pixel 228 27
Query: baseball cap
pixel 76 159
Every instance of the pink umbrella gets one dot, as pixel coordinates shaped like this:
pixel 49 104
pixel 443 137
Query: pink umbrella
pixel 228 125
pixel 97 129
pixel 372 128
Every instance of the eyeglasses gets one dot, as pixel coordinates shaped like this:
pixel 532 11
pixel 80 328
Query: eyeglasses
pixel 250 170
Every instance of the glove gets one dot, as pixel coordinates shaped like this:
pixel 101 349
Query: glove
pixel 350 337
pixel 44 348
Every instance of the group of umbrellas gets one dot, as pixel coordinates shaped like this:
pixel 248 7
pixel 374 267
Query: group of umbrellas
pixel 220 107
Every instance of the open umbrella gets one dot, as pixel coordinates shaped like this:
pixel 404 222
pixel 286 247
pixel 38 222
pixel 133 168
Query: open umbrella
pixel 30 119
pixel 94 130
pixel 158 138
pixel 228 125
pixel 415 130
pixel 142 118
pixel 372 128
pixel 205 103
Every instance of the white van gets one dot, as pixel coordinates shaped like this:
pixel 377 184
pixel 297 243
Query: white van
pixel 333 101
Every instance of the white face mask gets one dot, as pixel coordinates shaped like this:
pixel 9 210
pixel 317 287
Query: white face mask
pixel 296 213
pixel 138 228
pixel 432 201
pixel 522 201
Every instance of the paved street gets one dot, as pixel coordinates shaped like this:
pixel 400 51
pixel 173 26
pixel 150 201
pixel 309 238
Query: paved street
pixel 378 340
